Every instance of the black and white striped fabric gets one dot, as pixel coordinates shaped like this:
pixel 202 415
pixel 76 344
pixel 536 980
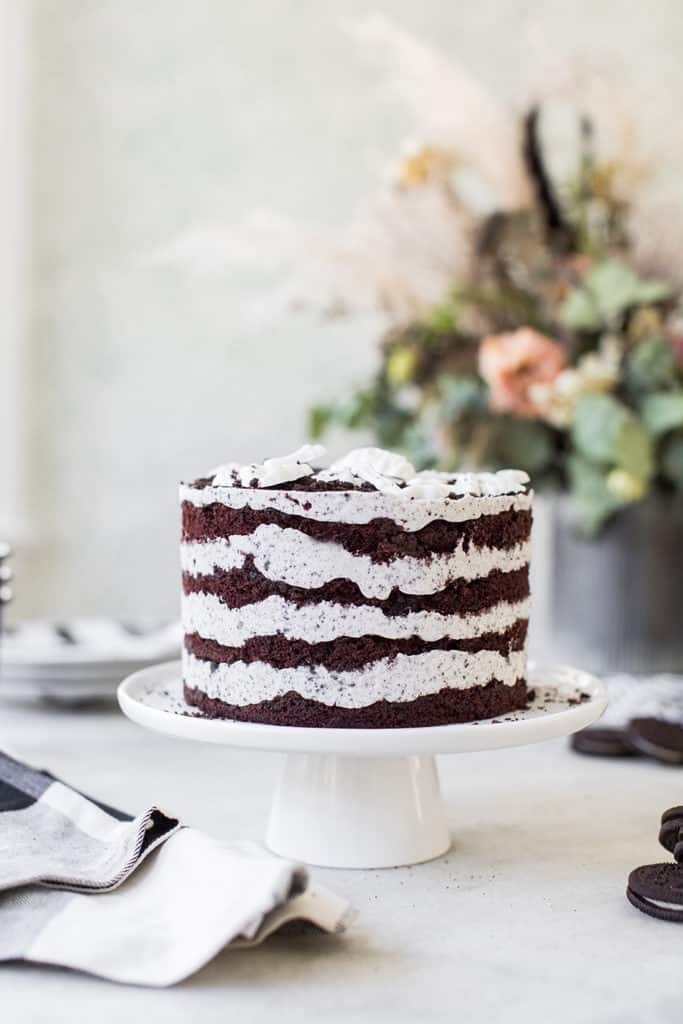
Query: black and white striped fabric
pixel 78 886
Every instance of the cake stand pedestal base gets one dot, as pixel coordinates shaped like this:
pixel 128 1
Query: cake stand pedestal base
pixel 358 812
pixel 364 798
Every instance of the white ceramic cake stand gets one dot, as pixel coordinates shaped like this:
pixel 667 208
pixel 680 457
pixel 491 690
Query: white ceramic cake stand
pixel 364 798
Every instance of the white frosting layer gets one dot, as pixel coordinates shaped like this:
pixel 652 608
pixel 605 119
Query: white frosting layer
pixel 358 506
pixel 292 557
pixel 402 678
pixel 207 615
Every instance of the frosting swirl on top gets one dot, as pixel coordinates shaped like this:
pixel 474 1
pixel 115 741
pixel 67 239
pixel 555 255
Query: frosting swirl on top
pixel 270 472
pixel 387 472
pixel 376 466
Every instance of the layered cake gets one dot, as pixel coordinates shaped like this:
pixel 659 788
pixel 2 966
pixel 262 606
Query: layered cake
pixel 365 595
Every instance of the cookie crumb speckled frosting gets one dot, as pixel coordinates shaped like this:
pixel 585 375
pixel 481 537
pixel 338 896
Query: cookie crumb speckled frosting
pixel 362 595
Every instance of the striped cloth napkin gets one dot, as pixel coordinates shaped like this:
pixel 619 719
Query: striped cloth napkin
pixel 140 900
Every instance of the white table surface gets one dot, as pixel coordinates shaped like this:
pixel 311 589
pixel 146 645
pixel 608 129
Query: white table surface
pixel 524 920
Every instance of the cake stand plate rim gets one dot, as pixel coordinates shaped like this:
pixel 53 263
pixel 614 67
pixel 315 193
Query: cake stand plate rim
pixel 520 728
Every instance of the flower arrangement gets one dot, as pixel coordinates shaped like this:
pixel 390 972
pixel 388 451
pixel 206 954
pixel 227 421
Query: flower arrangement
pixel 554 350
pixel 555 356
pixel 529 294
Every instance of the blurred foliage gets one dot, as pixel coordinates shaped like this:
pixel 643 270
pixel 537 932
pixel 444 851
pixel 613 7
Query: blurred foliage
pixel 607 433
pixel 605 293
pixel 651 364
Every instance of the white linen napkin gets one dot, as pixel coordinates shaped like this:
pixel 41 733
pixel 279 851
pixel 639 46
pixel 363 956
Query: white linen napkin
pixel 139 900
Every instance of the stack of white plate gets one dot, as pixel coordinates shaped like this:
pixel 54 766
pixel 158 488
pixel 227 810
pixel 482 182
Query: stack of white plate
pixel 79 660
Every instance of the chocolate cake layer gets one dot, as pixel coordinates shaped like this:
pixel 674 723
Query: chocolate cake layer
pixel 446 707
pixel 346 652
pixel 380 539
pixel 239 587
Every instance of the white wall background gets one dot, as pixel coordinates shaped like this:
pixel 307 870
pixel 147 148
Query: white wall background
pixel 149 117
pixel 14 276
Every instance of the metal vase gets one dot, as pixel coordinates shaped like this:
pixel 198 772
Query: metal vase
pixel 615 603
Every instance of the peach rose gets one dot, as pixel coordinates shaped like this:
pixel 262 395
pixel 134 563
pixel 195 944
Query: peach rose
pixel 513 362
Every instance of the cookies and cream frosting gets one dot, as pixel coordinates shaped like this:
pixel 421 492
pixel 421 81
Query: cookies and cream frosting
pixel 385 471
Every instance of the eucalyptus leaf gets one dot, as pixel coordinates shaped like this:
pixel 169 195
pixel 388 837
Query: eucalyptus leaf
pixel 651 365
pixel 320 419
pixel 662 411
pixel 460 394
pixel 418 448
pixel 606 432
pixel 608 290
pixel 359 410
pixel 598 423
pixel 444 317
pixel 595 501
pixel 524 444
pixel 634 450
pixel 390 425
pixel 581 312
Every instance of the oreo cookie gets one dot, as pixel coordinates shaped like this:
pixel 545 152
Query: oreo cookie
pixel 644 716
pixel 657 738
pixel 601 741
pixel 657 890
pixel 671 832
